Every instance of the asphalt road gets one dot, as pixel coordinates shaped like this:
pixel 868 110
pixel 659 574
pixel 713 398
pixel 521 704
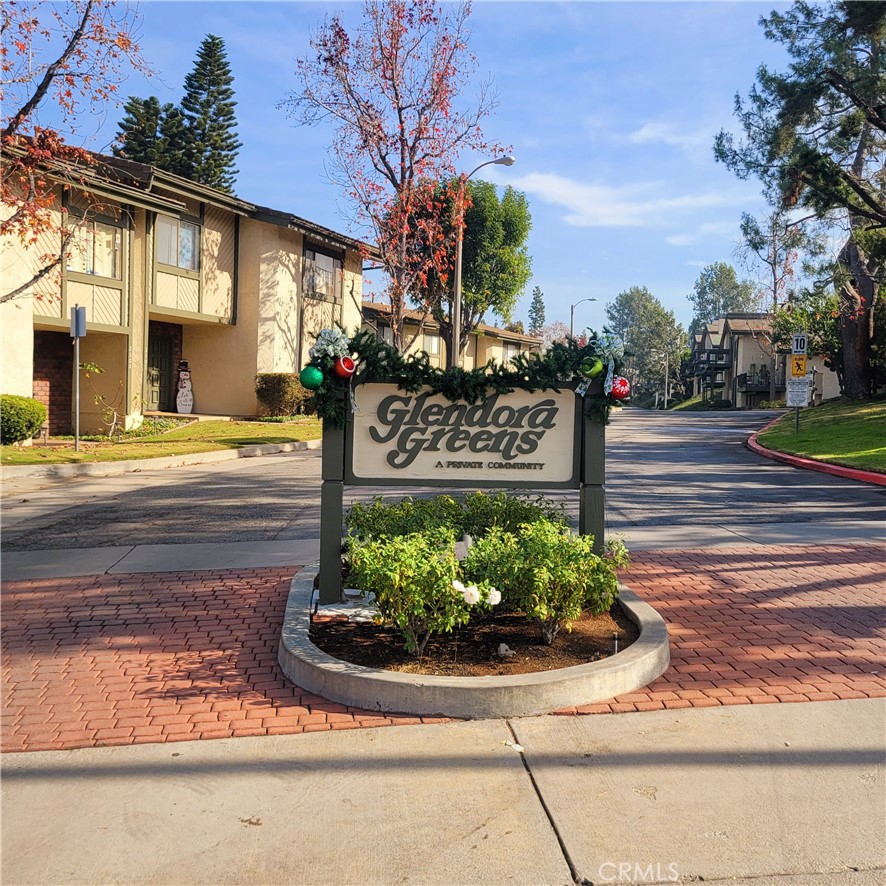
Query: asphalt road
pixel 663 471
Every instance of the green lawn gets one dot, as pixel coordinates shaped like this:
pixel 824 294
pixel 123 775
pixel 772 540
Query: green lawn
pixel 843 432
pixel 203 436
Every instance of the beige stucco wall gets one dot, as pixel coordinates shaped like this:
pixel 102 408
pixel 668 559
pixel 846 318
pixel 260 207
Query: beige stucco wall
pixel 751 349
pixel 217 263
pixel 270 273
pixel 17 266
pixel 352 292
pixel 109 352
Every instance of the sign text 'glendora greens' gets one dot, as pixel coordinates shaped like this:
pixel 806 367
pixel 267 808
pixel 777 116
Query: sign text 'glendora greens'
pixel 423 436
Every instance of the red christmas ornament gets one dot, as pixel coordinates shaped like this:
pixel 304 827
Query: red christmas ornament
pixel 344 367
pixel 621 388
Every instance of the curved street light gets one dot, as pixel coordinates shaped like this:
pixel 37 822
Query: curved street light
pixel 453 353
pixel 572 312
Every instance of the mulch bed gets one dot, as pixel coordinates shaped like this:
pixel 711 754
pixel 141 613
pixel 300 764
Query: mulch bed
pixel 472 650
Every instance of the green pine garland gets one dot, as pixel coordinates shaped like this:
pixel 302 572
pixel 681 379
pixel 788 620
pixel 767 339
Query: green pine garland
pixel 377 361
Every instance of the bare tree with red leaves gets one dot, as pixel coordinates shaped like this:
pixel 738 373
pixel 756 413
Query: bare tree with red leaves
pixel 391 90
pixel 70 57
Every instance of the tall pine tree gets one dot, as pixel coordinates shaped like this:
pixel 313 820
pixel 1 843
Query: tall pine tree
pixel 197 140
pixel 138 136
pixel 537 312
pixel 174 142
pixel 210 124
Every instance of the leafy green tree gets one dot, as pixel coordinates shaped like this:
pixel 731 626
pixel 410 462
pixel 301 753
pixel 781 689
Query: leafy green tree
pixel 537 312
pixel 496 265
pixel 210 123
pixel 774 247
pixel 653 339
pixel 718 292
pixel 138 136
pixel 816 138
pixel 815 311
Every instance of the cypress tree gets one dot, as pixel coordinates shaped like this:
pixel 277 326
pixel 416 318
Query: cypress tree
pixel 208 109
pixel 536 312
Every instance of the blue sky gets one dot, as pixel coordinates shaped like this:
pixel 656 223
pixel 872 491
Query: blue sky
pixel 611 108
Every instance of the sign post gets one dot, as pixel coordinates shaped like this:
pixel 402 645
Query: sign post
pixel 78 331
pixel 798 386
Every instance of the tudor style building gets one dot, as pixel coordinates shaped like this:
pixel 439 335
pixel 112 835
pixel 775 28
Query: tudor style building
pixel 169 270
pixel 732 360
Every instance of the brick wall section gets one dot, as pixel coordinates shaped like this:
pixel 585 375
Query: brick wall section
pixel 54 378
pixel 174 329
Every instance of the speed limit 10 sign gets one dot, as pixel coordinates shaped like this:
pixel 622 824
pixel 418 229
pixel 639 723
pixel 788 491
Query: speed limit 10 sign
pixel 798 343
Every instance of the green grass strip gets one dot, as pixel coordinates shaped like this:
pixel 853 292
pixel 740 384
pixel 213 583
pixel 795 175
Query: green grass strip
pixel 843 432
pixel 199 436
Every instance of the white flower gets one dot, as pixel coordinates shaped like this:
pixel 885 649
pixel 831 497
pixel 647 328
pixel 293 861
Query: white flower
pixel 471 595
pixel 459 587
pixel 493 598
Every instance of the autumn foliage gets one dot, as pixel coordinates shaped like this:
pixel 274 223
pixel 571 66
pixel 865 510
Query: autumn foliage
pixel 58 61
pixel 393 88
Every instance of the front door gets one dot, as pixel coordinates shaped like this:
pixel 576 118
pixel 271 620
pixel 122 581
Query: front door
pixel 160 373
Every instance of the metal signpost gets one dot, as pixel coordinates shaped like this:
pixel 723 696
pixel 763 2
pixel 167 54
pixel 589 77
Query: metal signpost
pixel 78 331
pixel 798 384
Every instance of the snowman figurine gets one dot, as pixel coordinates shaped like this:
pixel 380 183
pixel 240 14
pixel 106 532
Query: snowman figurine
pixel 184 399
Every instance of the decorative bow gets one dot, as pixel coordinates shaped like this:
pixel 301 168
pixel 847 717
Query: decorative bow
pixel 611 348
pixel 332 342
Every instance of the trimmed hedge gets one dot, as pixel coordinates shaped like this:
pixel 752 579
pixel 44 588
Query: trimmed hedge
pixel 281 393
pixel 20 418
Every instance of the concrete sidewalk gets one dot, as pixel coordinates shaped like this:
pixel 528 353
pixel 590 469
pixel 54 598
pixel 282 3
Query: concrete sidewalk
pixel 787 791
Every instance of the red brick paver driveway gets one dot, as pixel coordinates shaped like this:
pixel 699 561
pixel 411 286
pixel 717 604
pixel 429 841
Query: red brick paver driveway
pixel 168 657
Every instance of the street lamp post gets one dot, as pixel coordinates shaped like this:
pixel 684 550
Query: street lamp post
pixel 453 354
pixel 572 313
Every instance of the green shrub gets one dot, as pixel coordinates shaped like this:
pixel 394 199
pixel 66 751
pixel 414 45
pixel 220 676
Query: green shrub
pixel 475 515
pixel 507 511
pixel 414 581
pixel 547 572
pixel 384 519
pixel 20 418
pixel 281 393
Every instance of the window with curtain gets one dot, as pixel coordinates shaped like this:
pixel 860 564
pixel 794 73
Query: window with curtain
pixel 178 243
pixel 95 249
pixel 432 344
pixel 322 275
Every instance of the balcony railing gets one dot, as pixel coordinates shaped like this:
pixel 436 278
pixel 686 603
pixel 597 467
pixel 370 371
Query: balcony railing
pixel 758 382
pixel 704 362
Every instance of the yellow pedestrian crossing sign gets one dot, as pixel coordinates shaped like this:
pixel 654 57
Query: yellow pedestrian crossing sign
pixel 798 365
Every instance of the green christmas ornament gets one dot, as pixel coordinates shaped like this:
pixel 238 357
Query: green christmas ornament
pixel 311 378
pixel 591 367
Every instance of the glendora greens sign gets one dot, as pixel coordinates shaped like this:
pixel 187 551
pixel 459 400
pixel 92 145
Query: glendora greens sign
pixel 515 439
pixel 536 422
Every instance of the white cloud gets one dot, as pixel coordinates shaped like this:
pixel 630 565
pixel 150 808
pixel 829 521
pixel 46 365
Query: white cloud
pixel 720 229
pixel 639 205
pixel 696 142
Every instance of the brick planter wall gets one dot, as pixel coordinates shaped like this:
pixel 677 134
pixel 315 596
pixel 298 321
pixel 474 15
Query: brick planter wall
pixel 54 378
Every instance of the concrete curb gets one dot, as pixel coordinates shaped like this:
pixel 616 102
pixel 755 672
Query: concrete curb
pixel 811 464
pixel 470 698
pixel 116 468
